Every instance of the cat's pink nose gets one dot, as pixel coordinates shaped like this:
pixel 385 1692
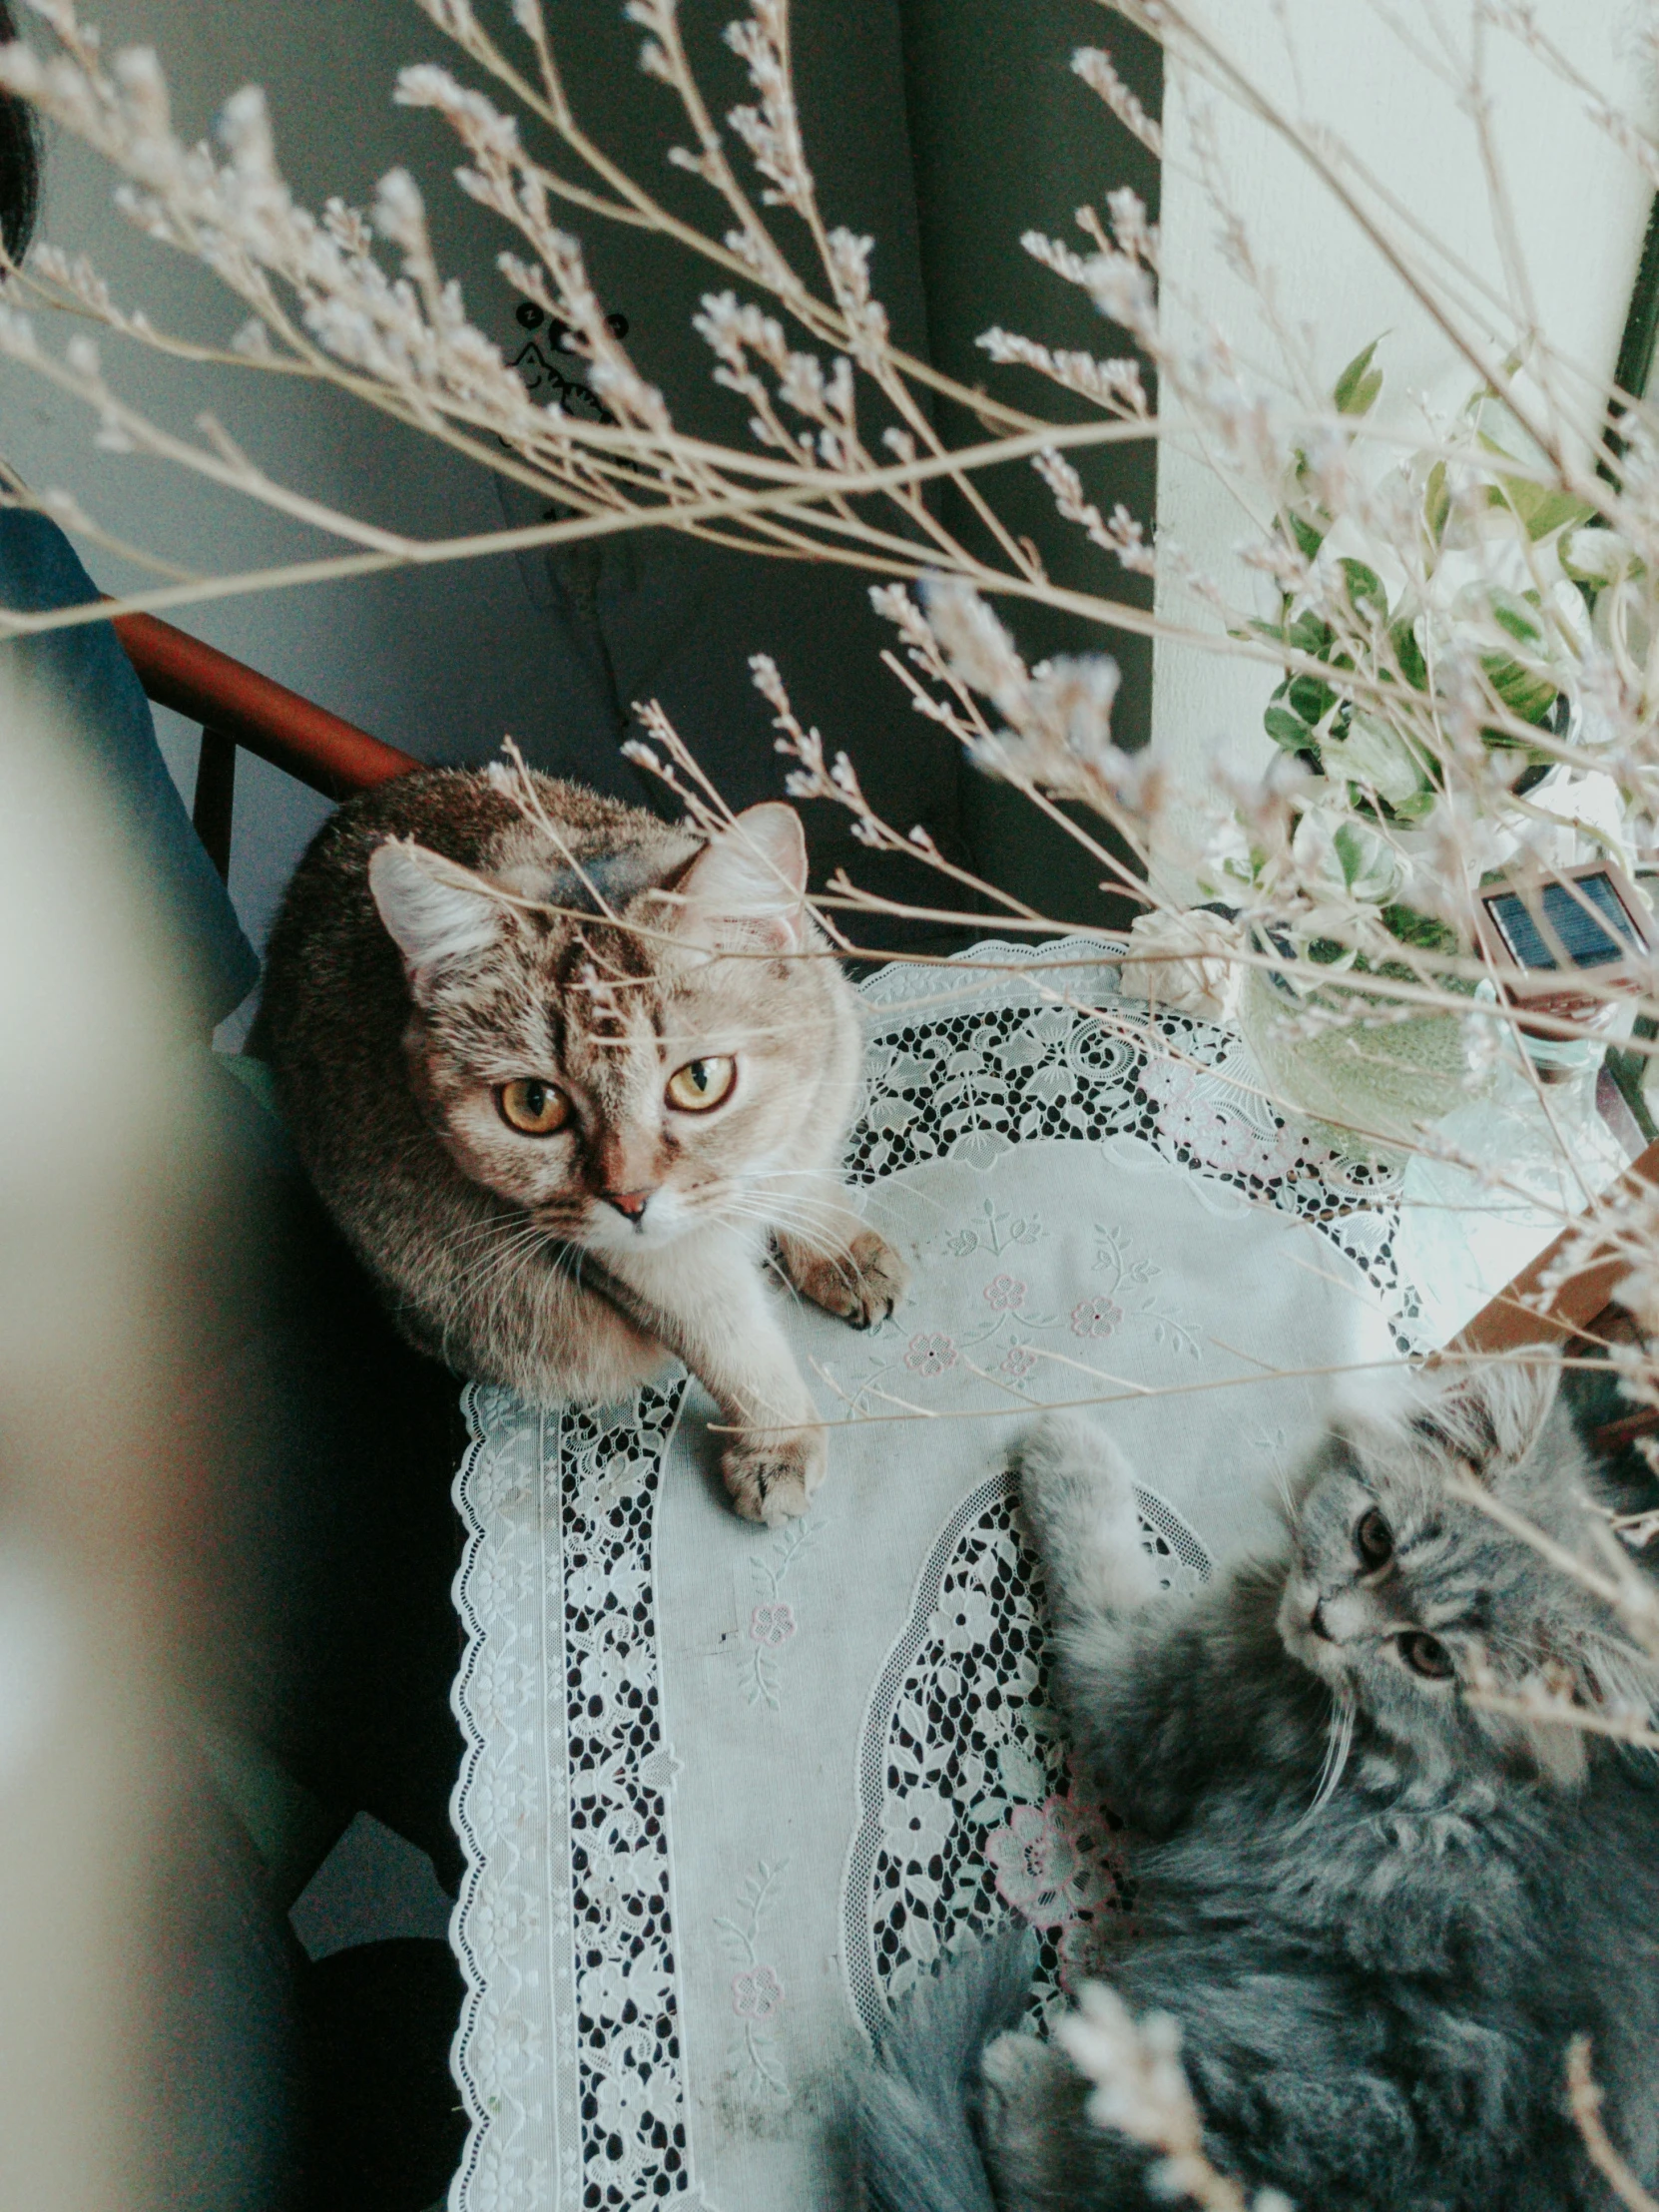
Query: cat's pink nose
pixel 630 1203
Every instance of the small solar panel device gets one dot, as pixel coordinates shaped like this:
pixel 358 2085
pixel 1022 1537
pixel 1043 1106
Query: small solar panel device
pixel 1542 931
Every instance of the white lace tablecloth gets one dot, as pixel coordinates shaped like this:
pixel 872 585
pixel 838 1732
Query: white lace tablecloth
pixel 729 1789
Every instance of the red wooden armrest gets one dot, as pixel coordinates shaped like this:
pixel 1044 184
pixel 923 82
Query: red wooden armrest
pixel 320 749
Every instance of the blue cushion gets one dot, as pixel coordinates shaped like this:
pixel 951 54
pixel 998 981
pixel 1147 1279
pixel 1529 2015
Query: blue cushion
pixel 88 671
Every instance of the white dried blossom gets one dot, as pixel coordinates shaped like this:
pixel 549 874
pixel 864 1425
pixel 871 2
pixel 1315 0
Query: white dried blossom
pixel 1120 283
pixel 1140 2091
pixel 498 177
pixel 1113 384
pixel 253 341
pixel 1121 534
pixel 974 644
pixel 732 330
pixel 400 216
pixel 1186 963
pixel 847 262
pixel 454 18
pixel 1058 714
pixel 1095 69
pixel 17 335
pixel 1135 236
pixel 1056 255
pixel 1123 292
pixel 771 131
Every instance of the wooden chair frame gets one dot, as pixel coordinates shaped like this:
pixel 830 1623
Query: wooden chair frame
pixel 237 707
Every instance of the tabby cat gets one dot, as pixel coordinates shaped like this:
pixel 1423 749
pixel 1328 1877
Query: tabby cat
pixel 559 1071
pixel 1378 1911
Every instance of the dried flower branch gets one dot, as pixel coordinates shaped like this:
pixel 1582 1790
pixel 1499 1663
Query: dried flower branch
pixel 1094 66
pixel 1141 2092
pixel 1586 2099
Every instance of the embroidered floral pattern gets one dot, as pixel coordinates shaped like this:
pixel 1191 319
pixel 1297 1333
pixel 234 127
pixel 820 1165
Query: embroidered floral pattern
pixel 757 1994
pixel 1131 1277
pixel 993 1231
pixel 771 1623
pixel 1036 1861
pixel 755 2071
pixel 1225 1141
pixel 1096 1317
pixel 1058 1864
pixel 981 1345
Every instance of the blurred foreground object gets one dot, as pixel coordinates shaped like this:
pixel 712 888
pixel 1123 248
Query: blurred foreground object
pixel 92 1462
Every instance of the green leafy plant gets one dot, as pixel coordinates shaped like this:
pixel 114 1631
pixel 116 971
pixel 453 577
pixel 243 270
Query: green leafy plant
pixel 1371 716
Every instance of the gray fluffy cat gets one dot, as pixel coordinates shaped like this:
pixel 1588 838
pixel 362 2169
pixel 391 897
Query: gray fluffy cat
pixel 1378 1912
pixel 561 1140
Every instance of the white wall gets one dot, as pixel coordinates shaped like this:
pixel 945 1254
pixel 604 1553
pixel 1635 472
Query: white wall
pixel 1579 205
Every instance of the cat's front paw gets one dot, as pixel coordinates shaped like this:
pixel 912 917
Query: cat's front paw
pixel 860 1285
pixel 1028 2087
pixel 1014 2064
pixel 1066 1461
pixel 1078 1491
pixel 771 1479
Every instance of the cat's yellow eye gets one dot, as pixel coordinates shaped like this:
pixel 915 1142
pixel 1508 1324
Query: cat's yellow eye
pixel 701 1084
pixel 533 1108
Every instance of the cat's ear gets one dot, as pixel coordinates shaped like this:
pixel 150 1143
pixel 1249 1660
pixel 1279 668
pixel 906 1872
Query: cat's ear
pixel 434 909
pixel 744 888
pixel 1491 1417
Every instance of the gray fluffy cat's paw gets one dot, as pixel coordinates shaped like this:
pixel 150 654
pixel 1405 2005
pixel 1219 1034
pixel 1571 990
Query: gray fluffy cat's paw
pixel 860 1285
pixel 1015 2063
pixel 1069 1471
pixel 1078 1491
pixel 772 1479
pixel 1026 2087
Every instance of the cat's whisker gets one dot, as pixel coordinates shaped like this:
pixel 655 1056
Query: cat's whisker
pixel 1338 1743
pixel 504 1259
pixel 829 1249
pixel 767 1219
pixel 502 1262
pixel 917 1197
pixel 820 1202
pixel 823 1238
pixel 791 1288
pixel 781 1211
pixel 497 1270
pixel 485 1231
pixel 486 1241
pixel 806 1216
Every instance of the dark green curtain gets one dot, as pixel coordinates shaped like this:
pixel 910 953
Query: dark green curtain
pixel 1005 139
pixel 945 128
